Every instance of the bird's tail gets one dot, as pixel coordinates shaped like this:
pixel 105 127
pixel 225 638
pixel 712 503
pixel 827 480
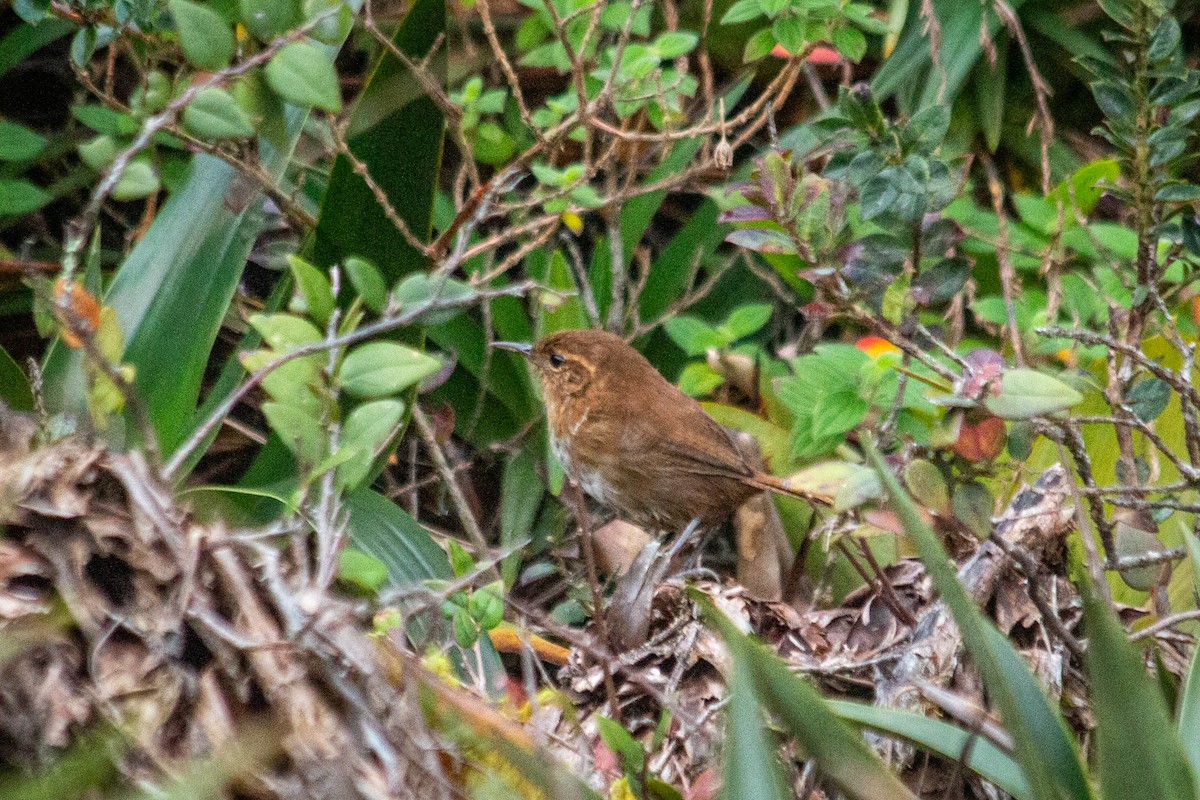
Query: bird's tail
pixel 770 483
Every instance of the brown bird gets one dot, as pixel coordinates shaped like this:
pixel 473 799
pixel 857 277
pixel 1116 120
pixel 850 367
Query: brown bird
pixel 635 442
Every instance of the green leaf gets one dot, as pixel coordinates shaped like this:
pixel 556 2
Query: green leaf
pixel 741 11
pixel 927 485
pixel 521 493
pixel 1129 708
pixel 850 42
pixel 302 74
pixel 362 570
pixel 1189 703
pixel 934 735
pixel 461 560
pixel 204 35
pixel 421 289
pixel 138 180
pixel 214 114
pixel 266 19
pixel 1131 542
pixel 1148 398
pixel 758 45
pixel 877 196
pixel 299 429
pixel 1165 40
pixel 929 126
pixel 486 605
pixel 382 529
pixel 789 31
pixel 18 143
pixel 367 281
pixel 692 335
pixel 285 332
pixel 20 197
pixel 376 369
pixel 368 428
pixel 699 379
pixel 1026 393
pixel 31 11
pixel 674 43
pixel 98 152
pixel 750 770
pixel 15 390
pixel 1178 192
pixel 314 296
pixel 293 381
pixel 745 320
pixel 1115 101
pixel 466 631
pixel 1087 184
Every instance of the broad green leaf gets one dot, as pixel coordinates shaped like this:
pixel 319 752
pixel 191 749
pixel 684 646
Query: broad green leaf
pixel 750 769
pixel 15 391
pixel 20 197
pixel 1087 184
pixel 363 570
pixel 694 336
pixel 267 19
pixel 302 74
pixel 984 759
pixel 699 379
pixel 99 151
pixel 383 530
pixel 206 38
pixel 672 44
pixel 18 143
pixel 991 82
pixel 742 11
pixel 745 320
pixel 367 430
pixel 299 429
pixel 628 750
pixel 420 289
pixel 556 313
pixel 397 132
pixel 139 179
pixel 1148 398
pixel 376 369
pixel 1027 393
pixel 336 19
pixel 214 114
pixel 521 493
pixel 368 283
pixel 1131 542
pixel 1129 708
pixel 850 42
pixel 284 332
pixel 927 485
pixel 314 296
pixel 789 32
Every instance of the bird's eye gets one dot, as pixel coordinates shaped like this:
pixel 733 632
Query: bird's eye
pixel 556 359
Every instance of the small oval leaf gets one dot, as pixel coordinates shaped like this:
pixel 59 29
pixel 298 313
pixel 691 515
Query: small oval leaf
pixel 1027 393
pixel 377 369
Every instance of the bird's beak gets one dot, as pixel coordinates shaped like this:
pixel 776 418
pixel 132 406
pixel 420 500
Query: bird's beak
pixel 517 347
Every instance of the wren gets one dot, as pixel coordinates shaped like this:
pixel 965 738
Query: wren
pixel 633 441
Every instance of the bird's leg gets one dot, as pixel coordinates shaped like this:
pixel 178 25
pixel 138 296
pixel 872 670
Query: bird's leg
pixel 683 538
